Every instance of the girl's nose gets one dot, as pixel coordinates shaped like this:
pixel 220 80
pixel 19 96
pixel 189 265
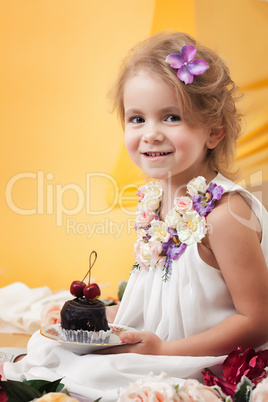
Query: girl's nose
pixel 153 135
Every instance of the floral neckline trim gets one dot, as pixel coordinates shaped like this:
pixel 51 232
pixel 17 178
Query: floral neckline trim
pixel 161 242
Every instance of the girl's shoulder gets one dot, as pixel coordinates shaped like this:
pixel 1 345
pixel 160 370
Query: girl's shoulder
pixel 236 201
pixel 234 208
pixel 237 209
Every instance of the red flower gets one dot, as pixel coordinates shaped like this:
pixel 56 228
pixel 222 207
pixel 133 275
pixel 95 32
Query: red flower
pixel 3 396
pixel 249 363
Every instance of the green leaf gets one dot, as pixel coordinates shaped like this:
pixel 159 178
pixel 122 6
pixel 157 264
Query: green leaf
pixel 97 400
pixel 244 389
pixel 44 386
pixel 19 392
pixel 135 266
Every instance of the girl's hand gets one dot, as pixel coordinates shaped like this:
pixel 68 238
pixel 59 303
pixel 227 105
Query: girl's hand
pixel 145 343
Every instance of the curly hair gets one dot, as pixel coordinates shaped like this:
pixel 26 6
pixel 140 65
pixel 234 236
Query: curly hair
pixel 210 101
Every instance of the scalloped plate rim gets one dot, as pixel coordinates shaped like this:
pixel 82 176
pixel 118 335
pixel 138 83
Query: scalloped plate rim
pixel 80 347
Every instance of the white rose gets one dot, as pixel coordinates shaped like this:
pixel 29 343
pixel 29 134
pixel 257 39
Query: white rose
pixel 148 204
pixel 193 228
pixel 197 185
pixel 153 189
pixel 159 231
pixel 173 218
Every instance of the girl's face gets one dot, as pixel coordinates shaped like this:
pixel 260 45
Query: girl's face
pixel 157 140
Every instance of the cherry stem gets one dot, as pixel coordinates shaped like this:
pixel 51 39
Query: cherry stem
pixel 90 265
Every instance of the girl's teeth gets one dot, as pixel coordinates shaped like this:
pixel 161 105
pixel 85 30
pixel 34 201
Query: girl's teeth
pixel 156 153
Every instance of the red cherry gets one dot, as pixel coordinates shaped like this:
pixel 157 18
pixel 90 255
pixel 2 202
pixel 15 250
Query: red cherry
pixel 76 288
pixel 92 291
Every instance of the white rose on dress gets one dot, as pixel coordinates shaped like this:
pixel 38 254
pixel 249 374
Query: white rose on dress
pixel 173 218
pixel 197 185
pixel 192 229
pixel 152 189
pixel 159 231
pixel 148 203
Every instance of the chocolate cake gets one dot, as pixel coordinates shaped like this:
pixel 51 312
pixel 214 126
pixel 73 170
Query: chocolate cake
pixel 81 313
pixel 83 319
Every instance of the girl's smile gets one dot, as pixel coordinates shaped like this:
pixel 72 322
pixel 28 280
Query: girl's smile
pixel 157 139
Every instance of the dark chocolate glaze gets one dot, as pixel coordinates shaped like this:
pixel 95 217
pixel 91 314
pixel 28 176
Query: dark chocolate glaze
pixel 81 313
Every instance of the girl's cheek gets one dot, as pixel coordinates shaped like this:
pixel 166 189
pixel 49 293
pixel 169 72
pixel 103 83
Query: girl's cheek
pixel 131 142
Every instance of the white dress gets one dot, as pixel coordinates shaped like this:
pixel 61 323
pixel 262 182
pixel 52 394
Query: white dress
pixel 194 299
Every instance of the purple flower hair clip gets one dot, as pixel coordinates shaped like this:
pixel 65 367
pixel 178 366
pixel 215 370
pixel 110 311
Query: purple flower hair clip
pixel 187 67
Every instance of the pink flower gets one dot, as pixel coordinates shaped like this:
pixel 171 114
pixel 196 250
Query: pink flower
pixel 142 254
pixel 153 388
pixel 155 249
pixel 51 314
pixel 192 390
pixel 144 217
pixel 183 204
pixel 260 393
pixel 140 193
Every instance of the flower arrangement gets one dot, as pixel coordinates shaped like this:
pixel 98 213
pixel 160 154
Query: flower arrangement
pixel 161 242
pixel 160 388
pixel 244 379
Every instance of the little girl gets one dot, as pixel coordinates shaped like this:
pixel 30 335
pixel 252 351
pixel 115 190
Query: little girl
pixel 199 288
pixel 200 285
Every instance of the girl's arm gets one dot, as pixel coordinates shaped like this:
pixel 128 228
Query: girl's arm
pixel 235 242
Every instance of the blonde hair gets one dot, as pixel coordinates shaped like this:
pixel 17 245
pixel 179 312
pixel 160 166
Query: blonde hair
pixel 210 101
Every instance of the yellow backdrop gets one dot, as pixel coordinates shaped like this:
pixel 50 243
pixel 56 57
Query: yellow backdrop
pixel 64 173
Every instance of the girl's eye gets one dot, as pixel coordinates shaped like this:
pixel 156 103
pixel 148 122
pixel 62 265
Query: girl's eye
pixel 136 120
pixel 172 118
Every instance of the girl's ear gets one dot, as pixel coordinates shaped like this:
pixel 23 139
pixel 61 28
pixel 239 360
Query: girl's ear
pixel 214 137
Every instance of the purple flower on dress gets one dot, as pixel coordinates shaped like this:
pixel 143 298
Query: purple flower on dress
pixel 187 67
pixel 204 203
pixel 173 248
